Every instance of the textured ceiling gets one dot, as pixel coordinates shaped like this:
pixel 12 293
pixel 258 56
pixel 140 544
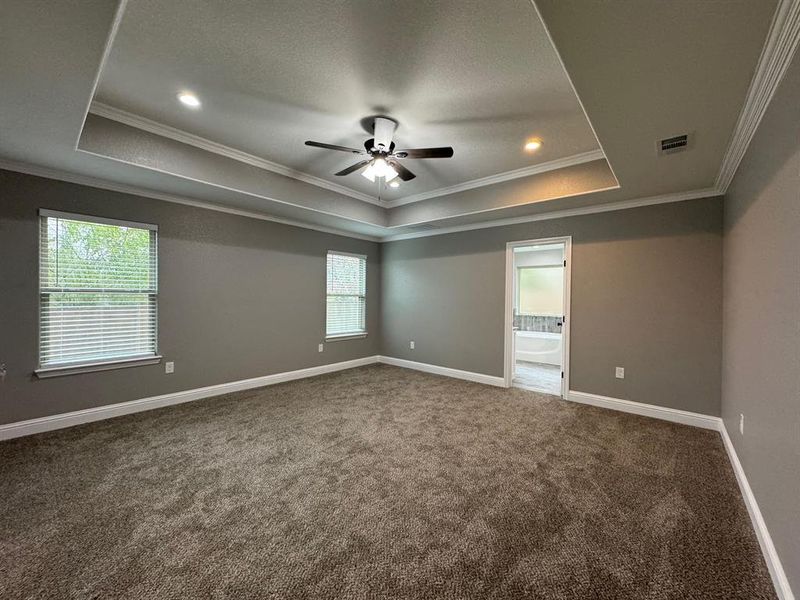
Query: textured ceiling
pixel 649 69
pixel 643 69
pixel 479 76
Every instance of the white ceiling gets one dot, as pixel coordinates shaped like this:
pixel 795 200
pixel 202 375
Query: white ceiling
pixel 648 69
pixel 478 76
pixel 482 76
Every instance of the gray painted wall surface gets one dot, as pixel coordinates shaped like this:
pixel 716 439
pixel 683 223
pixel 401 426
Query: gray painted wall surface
pixel 646 295
pixel 239 298
pixel 761 341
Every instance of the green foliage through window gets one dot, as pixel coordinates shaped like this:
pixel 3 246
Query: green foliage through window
pixel 98 291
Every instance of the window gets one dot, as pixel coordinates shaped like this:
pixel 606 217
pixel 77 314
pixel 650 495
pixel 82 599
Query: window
pixel 540 290
pixel 98 291
pixel 347 295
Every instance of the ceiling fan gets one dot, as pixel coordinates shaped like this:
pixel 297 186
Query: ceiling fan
pixel 381 159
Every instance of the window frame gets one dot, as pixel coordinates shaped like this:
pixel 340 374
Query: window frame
pixel 93 365
pixel 350 335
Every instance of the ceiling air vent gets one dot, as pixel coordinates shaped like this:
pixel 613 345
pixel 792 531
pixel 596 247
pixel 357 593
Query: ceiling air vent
pixel 673 144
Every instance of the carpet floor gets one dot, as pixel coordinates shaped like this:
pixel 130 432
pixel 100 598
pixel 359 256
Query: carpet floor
pixel 376 482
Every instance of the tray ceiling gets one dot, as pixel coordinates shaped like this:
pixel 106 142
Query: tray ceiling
pixel 478 76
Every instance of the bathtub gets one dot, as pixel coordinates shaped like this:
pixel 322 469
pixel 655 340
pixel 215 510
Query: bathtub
pixel 538 347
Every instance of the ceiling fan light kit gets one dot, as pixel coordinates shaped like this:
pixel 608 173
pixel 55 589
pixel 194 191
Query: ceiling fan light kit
pixel 380 157
pixel 379 168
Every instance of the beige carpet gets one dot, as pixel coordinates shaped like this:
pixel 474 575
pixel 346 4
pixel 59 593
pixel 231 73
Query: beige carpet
pixel 377 482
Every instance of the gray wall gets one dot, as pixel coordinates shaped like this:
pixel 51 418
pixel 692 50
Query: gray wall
pixel 646 295
pixel 761 341
pixel 242 298
pixel 239 298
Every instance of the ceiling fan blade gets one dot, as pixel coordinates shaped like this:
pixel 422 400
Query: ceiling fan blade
pixel 333 147
pixel 353 168
pixel 445 152
pixel 402 172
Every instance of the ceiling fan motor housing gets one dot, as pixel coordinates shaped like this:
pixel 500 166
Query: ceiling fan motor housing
pixel 376 151
pixel 384 131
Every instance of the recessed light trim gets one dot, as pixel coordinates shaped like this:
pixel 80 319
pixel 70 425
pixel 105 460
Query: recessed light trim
pixel 189 99
pixel 533 145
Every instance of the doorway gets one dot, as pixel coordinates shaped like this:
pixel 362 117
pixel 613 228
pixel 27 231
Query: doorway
pixel 537 315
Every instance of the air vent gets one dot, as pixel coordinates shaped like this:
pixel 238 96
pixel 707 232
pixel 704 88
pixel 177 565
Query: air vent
pixel 673 144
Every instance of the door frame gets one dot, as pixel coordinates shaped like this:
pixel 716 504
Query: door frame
pixel 508 322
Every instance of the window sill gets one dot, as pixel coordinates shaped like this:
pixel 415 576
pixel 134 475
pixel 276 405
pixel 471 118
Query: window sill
pixel 345 336
pixel 99 366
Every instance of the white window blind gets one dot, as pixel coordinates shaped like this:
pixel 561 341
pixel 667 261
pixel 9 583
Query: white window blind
pixel 347 294
pixel 98 290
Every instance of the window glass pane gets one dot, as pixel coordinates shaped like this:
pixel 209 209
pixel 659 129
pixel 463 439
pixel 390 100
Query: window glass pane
pixel 346 274
pixel 98 297
pixel 90 327
pixel 345 314
pixel 97 256
pixel 541 291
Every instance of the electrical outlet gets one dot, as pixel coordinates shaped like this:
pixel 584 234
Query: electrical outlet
pixel 411 345
pixel 620 373
pixel 169 367
pixel 741 424
pixel 320 348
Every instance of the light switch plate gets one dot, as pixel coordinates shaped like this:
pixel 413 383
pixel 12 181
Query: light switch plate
pixel 169 367
pixel 411 345
pixel 620 373
pixel 320 348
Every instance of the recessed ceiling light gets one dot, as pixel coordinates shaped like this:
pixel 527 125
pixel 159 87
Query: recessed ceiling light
pixel 394 184
pixel 533 145
pixel 189 99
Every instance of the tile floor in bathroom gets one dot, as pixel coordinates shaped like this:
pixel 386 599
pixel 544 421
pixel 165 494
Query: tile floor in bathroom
pixel 538 376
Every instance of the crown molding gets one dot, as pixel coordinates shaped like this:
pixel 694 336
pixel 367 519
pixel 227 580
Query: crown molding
pixel 572 85
pixel 123 188
pixel 559 214
pixel 133 120
pixel 552 165
pixel 112 35
pixel 127 118
pixel 60 175
pixel 781 44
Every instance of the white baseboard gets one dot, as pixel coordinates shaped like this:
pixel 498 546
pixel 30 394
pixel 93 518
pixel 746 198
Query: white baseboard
pixel 647 410
pixel 78 417
pixel 446 371
pixel 774 565
pixel 32 426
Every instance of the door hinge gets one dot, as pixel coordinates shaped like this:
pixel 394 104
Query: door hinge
pixel 562 374
pixel 565 262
